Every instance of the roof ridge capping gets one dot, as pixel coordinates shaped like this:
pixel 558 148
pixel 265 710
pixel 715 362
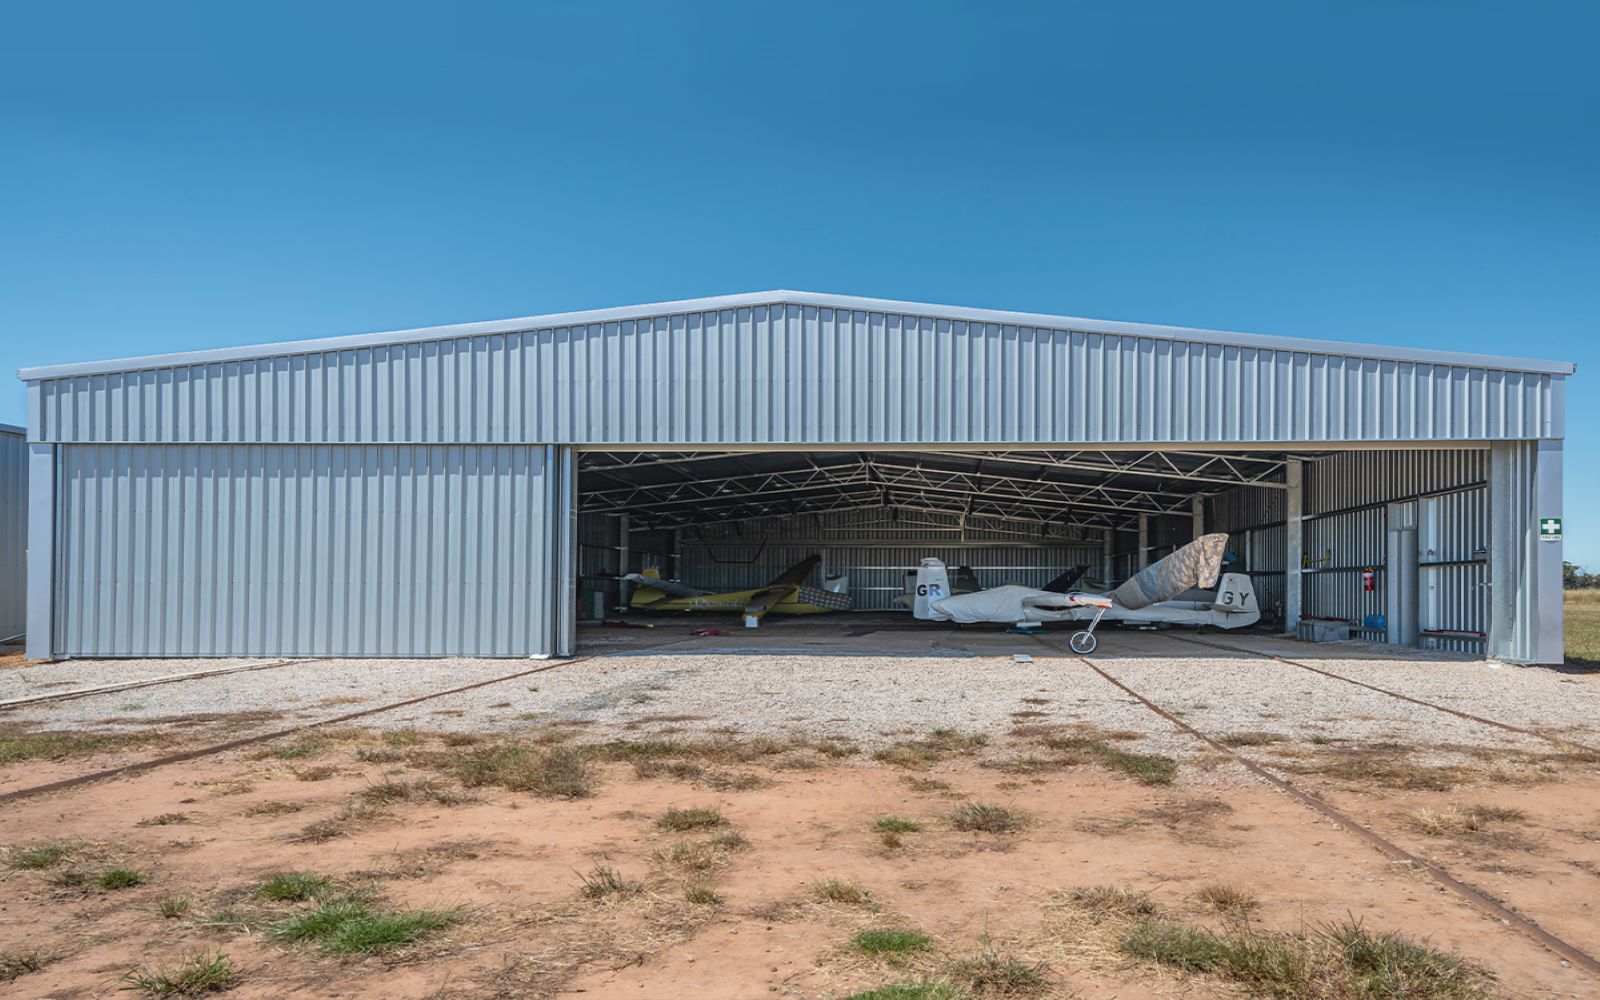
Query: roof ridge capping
pixel 790 297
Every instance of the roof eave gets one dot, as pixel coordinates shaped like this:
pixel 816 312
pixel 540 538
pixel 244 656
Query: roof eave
pixel 1222 338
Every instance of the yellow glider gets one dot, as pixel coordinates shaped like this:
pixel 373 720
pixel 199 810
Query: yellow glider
pixel 787 595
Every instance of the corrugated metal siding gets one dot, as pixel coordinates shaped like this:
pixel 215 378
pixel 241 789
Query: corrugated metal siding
pixel 1453 538
pixel 792 374
pixel 190 550
pixel 13 531
pixel 1357 478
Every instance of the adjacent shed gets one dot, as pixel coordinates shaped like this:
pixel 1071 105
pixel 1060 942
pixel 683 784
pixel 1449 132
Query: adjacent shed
pixel 449 491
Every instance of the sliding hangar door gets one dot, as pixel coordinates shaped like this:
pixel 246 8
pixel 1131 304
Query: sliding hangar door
pixel 419 493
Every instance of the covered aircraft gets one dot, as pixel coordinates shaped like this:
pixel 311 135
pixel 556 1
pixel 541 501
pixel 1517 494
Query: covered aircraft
pixel 964 580
pixel 789 594
pixel 1187 587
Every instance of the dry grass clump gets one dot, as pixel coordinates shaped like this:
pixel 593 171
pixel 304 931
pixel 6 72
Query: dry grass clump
pixel 681 820
pixel 553 772
pixel 1087 745
pixel 1227 899
pixel 602 884
pixel 14 964
pixel 1112 901
pixel 41 856
pixel 996 973
pixel 1456 821
pixel 355 813
pixel 927 750
pixel 700 857
pixel 18 744
pixel 1335 961
pixel 165 819
pixel 982 817
pixel 1387 765
pixel 1250 738
pixel 421 790
pixel 841 891
pixel 322 772
pixel 192 976
pixel 273 808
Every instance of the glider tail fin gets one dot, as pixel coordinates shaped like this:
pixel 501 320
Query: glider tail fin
pixel 1236 595
pixel 932 585
pixel 643 593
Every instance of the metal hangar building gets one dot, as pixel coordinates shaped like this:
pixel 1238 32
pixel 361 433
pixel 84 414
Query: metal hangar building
pixel 473 490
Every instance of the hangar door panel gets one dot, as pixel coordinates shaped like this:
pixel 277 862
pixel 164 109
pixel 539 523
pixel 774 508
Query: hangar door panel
pixel 305 550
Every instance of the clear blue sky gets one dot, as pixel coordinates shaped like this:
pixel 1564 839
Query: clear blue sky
pixel 182 176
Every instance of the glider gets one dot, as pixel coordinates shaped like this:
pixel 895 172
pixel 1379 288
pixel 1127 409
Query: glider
pixel 789 594
pixel 1187 587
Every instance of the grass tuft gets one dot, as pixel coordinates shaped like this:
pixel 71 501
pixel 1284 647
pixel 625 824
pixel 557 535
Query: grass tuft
pixel 173 907
pixel 894 824
pixel 354 926
pixel 293 887
pixel 14 964
pixel 556 772
pixel 1113 901
pixel 1228 900
pixel 841 891
pixel 41 856
pixel 1461 820
pixel 912 991
pixel 1145 768
pixel 193 976
pixel 113 879
pixel 1337 961
pixel 165 819
pixel 702 895
pixel 679 820
pixel 890 941
pixel 981 817
pixel 993 973
pixel 604 883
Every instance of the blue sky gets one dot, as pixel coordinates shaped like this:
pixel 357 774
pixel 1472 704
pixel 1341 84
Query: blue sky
pixel 180 176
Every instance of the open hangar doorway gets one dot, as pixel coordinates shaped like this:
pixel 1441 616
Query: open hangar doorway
pixel 733 520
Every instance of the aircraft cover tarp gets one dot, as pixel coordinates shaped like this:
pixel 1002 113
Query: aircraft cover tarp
pixel 1195 565
pixel 1001 604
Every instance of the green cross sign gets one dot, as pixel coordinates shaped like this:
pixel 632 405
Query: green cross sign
pixel 1550 529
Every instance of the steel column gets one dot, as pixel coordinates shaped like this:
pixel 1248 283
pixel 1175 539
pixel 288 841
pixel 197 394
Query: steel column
pixel 41 551
pixel 1293 543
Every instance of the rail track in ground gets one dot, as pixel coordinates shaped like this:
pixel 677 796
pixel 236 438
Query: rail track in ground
pixel 1506 726
pixel 139 767
pixel 1470 894
pixel 89 692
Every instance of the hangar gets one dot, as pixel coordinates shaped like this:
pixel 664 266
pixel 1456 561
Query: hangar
pixel 474 489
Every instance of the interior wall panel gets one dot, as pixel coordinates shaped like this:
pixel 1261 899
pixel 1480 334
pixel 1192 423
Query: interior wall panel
pixel 13 531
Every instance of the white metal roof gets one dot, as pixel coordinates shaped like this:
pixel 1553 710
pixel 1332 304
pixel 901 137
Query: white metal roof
pixel 819 299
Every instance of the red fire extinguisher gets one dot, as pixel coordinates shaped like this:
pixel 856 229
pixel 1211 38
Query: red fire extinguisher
pixel 1368 579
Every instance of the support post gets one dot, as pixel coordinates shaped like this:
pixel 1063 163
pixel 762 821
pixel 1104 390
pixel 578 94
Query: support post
pixel 566 515
pixel 1107 556
pixel 1197 508
pixel 1293 542
pixel 41 551
pixel 624 557
pixel 1550 621
pixel 1144 540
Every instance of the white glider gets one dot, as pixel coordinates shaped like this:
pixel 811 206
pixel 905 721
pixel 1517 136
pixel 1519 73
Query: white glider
pixel 1187 588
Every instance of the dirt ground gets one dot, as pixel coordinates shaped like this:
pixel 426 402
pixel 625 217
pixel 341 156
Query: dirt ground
pixel 549 862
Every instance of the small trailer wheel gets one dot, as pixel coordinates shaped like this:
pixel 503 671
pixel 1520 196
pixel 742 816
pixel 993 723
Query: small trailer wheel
pixel 1083 643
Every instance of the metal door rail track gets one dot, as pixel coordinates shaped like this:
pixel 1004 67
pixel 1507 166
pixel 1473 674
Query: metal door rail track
pixel 1475 897
pixel 216 748
pixel 35 699
pixel 1558 740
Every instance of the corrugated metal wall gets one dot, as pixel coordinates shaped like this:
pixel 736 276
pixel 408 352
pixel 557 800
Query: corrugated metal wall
pixel 13 531
pixel 875 550
pixel 797 374
pixel 1345 532
pixel 187 550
